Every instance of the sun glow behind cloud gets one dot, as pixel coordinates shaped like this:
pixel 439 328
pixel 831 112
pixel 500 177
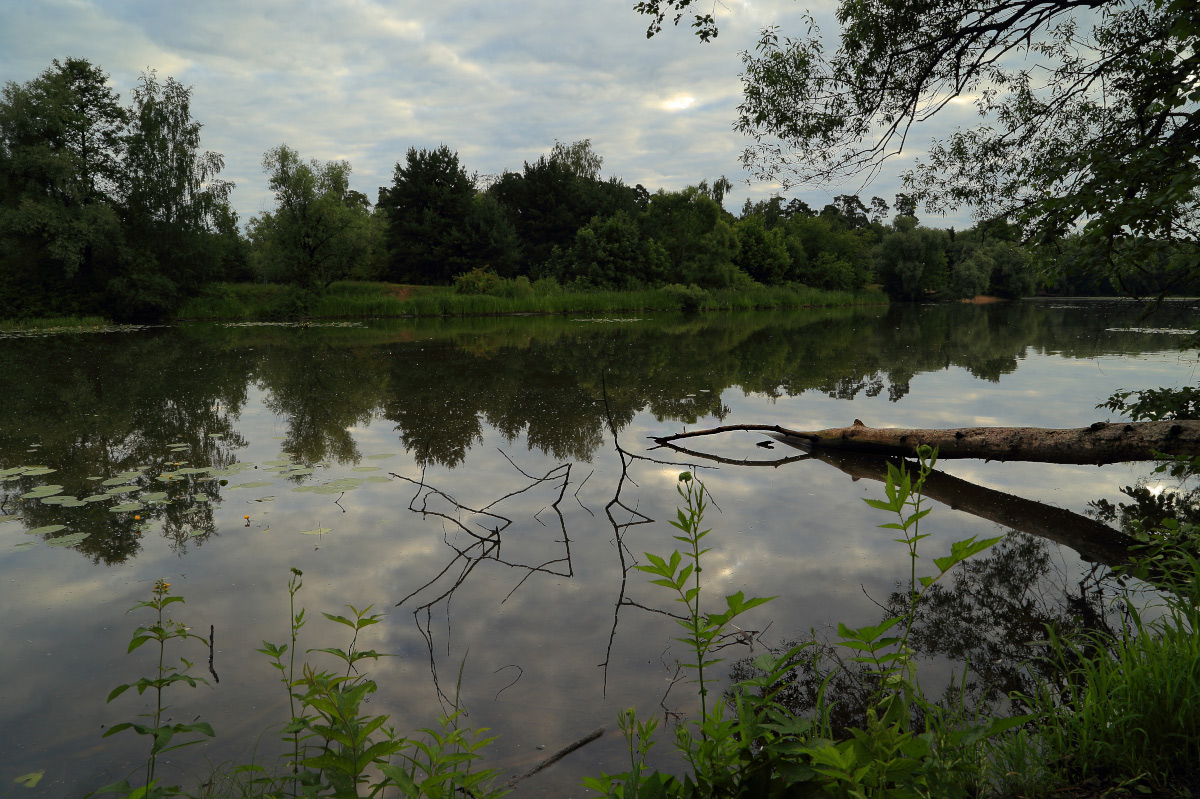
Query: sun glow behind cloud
pixel 679 102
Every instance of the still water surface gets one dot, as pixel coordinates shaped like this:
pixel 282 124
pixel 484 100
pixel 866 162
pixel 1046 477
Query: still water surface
pixel 464 478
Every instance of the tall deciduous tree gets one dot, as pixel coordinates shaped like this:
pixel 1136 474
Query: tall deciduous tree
pixel 579 158
pixel 175 206
pixel 697 236
pixel 61 148
pixel 912 260
pixel 105 208
pixel 556 195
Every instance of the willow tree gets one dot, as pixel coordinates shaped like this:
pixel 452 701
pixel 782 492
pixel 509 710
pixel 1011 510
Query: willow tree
pixel 320 229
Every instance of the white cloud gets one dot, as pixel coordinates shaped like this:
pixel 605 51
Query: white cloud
pixel 364 81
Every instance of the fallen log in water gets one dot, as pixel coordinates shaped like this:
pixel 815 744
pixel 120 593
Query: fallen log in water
pixel 1093 540
pixel 1100 443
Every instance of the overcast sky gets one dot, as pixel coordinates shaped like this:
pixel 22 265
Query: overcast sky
pixel 497 80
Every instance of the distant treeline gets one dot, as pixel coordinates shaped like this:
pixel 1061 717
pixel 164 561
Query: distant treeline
pixel 115 209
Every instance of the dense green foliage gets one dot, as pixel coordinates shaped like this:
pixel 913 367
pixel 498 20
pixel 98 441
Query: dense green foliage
pixel 116 210
pixel 1089 130
pixel 321 229
pixel 107 208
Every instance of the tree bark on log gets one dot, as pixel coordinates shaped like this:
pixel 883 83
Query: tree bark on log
pixel 1101 443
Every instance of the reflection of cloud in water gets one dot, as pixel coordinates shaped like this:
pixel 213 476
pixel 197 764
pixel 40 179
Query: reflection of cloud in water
pixel 800 532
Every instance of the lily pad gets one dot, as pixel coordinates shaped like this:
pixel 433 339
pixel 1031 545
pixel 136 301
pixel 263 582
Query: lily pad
pixel 381 456
pixel 195 533
pixel 367 469
pixel 125 507
pixel 193 470
pixel 199 498
pixel 153 495
pixel 49 528
pixel 13 472
pixel 115 481
pixel 43 491
pixel 58 500
pixel 253 484
pixel 230 471
pixel 67 540
pixel 37 471
pixel 96 497
pixel 4 519
pixel 25 545
pixel 31 779
pixel 318 531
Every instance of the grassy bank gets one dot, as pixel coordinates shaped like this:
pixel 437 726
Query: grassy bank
pixel 53 323
pixel 348 300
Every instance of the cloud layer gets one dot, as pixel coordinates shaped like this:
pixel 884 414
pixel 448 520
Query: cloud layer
pixel 364 81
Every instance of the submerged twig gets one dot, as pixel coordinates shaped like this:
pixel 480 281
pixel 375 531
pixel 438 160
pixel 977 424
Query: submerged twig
pixel 559 755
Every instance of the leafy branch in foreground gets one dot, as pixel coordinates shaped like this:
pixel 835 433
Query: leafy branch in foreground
pixel 336 750
pixel 763 749
pixel 162 734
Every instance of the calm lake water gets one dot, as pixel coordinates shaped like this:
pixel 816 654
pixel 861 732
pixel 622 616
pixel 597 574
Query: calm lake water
pixel 463 477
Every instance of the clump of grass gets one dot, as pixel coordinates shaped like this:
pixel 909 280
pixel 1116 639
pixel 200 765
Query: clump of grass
pixel 1128 709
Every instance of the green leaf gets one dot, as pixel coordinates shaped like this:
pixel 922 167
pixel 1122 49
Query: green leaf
pixel 120 689
pixel 961 550
pixel 31 779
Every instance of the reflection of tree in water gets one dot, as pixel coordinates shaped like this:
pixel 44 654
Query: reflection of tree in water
pixel 998 605
pixel 322 392
pixel 116 403
pixel 1152 503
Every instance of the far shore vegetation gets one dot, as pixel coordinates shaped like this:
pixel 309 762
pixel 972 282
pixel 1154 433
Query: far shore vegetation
pixel 94 223
pixel 496 296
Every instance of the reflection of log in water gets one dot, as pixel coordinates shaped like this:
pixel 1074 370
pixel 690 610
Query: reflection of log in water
pixel 1094 541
